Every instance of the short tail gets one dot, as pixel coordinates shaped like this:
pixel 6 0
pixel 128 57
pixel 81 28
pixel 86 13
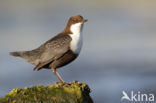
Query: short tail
pixel 29 56
pixel 15 54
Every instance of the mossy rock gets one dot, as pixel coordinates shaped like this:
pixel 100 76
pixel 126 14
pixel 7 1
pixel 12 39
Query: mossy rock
pixel 75 92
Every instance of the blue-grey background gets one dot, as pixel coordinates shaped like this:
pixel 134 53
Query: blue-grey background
pixel 119 51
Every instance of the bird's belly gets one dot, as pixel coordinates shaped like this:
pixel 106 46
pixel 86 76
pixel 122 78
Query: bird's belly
pixel 76 42
pixel 76 46
pixel 64 60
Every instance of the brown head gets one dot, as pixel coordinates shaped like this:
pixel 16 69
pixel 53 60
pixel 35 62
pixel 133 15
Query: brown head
pixel 74 20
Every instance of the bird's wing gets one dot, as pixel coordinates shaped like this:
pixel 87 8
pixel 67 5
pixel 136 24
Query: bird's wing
pixel 54 49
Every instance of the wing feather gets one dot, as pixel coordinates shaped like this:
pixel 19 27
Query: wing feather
pixel 54 49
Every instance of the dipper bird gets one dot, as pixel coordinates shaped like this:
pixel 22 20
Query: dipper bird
pixel 59 50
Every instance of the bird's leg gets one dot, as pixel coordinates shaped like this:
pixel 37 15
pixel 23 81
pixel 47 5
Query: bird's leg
pixel 57 74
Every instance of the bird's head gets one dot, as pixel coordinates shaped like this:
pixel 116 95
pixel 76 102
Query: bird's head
pixel 75 23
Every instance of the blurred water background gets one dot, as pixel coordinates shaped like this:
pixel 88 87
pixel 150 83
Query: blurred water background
pixel 119 51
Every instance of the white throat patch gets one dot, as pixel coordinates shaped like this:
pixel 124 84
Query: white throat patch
pixel 76 42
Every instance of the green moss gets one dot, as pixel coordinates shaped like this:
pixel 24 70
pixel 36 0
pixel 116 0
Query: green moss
pixel 57 93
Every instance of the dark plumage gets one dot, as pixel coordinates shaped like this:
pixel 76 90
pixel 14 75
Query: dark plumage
pixel 54 53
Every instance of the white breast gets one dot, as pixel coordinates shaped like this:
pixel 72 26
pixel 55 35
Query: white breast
pixel 76 42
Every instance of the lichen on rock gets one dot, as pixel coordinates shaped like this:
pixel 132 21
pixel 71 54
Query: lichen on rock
pixel 74 92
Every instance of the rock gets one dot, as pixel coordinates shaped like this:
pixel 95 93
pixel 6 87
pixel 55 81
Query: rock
pixel 74 92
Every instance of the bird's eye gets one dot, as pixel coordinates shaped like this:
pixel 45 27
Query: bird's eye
pixel 74 20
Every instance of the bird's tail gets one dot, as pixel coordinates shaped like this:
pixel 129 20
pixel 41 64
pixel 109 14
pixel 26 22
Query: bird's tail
pixel 17 54
pixel 29 56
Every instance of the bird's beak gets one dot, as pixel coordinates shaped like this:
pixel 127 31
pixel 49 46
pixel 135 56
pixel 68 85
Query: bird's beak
pixel 85 20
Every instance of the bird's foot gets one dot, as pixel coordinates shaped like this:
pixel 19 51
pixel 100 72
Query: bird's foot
pixel 60 84
pixel 76 81
pixel 66 84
